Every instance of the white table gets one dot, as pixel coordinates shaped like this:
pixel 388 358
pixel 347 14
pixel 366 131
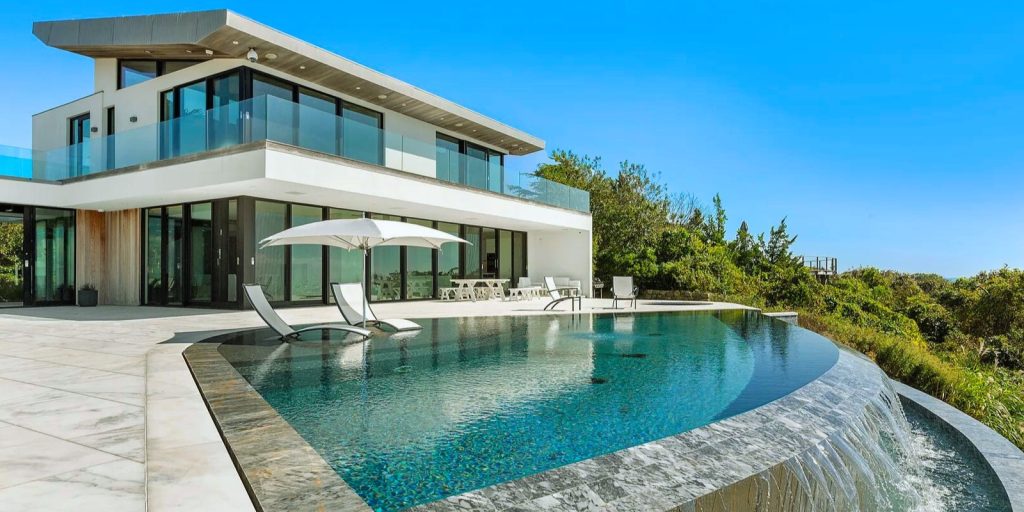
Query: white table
pixel 490 289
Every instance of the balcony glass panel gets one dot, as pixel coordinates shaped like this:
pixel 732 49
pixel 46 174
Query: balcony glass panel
pixel 309 124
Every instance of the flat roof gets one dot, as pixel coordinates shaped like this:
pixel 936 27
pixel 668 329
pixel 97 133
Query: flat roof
pixel 225 34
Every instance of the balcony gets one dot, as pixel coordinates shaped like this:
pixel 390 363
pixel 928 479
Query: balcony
pixel 268 118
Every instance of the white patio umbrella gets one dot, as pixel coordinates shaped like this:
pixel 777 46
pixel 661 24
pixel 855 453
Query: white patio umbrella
pixel 361 234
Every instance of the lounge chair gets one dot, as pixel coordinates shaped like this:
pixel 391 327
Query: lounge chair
pixel 349 297
pixel 557 298
pixel 259 302
pixel 623 289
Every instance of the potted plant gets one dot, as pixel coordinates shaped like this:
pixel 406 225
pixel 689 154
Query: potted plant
pixel 88 296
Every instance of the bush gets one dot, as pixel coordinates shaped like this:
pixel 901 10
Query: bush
pixel 978 393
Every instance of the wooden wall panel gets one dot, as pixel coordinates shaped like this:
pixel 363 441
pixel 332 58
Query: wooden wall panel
pixel 107 253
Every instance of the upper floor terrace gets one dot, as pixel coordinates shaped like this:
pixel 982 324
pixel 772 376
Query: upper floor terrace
pixel 270 118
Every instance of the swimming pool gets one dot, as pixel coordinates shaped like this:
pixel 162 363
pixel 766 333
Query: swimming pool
pixel 470 402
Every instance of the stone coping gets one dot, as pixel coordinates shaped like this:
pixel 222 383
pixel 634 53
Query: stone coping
pixel 1005 459
pixel 282 471
pixel 279 469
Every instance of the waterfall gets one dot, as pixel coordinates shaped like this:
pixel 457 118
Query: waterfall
pixel 871 465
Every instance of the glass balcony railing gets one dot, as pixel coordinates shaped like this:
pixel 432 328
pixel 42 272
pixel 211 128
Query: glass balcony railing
pixel 268 118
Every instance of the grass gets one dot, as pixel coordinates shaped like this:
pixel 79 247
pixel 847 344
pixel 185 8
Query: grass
pixel 994 397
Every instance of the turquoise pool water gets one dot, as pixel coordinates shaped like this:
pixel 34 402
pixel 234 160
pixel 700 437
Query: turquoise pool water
pixel 471 402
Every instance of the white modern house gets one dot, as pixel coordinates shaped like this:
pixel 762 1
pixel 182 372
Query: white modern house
pixel 208 131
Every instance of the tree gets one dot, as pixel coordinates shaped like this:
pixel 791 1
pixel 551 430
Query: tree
pixel 746 251
pixel 777 249
pixel 714 227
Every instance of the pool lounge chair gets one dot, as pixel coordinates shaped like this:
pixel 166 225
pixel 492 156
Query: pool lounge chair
pixel 349 298
pixel 259 302
pixel 557 298
pixel 624 290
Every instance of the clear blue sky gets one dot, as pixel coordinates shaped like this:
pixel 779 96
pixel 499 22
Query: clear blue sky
pixel 889 133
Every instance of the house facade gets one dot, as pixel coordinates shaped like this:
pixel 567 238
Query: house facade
pixel 208 131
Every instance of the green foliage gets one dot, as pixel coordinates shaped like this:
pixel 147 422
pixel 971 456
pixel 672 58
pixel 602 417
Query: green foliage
pixel 962 341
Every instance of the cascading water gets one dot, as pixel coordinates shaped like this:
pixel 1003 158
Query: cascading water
pixel 874 464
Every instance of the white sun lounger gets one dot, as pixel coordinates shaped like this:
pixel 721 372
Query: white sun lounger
pixel 259 302
pixel 349 298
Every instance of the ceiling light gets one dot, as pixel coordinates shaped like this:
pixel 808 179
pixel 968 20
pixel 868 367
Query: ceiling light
pixel 149 52
pixel 234 42
pixel 302 67
pixel 358 88
pixel 459 125
pixel 188 51
pixel 271 56
pixel 382 96
pixel 209 52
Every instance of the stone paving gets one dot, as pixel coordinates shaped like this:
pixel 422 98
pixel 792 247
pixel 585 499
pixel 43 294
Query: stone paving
pixel 80 401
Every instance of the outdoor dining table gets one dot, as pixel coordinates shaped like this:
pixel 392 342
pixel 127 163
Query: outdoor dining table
pixel 493 288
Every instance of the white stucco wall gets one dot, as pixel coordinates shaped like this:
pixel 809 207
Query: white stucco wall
pixel 561 253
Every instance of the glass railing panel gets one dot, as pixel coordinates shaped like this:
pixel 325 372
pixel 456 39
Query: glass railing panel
pixel 280 120
pixel 15 162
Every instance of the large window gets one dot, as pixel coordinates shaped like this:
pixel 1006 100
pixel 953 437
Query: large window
pixel 131 72
pixel 471 253
pixel 467 163
pixel 54 266
pixel 271 218
pixel 306 260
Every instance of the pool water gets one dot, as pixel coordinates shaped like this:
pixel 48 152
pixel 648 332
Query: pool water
pixel 471 402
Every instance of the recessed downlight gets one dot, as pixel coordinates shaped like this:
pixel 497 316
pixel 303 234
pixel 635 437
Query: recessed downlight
pixel 358 88
pixel 382 96
pixel 270 56
pixel 459 125
pixel 234 42
pixel 302 67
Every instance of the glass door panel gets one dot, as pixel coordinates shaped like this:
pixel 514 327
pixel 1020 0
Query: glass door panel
pixel 78 145
pixel 471 263
pixel 307 260
pixel 490 253
pixel 495 172
pixel 419 268
pixel 154 289
pixel 385 269
pixel 191 122
pixel 54 269
pixel 361 135
pixel 505 255
pixel 519 256
pixel 318 121
pixel 345 266
pixel 270 218
pixel 175 256
pixel 476 167
pixel 224 119
pixel 201 252
pixel 228 258
pixel 448 266
pixel 12 255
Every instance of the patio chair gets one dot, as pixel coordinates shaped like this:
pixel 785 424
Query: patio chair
pixel 349 297
pixel 259 302
pixel 557 298
pixel 624 290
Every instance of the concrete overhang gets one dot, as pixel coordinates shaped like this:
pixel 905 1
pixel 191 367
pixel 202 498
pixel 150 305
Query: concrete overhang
pixel 225 34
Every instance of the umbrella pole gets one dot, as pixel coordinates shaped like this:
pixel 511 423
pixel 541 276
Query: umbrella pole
pixel 366 288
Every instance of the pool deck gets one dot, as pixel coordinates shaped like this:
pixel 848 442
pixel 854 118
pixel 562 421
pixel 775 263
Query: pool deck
pixel 98 408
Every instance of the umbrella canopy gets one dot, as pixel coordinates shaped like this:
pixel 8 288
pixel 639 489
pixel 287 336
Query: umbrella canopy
pixel 361 234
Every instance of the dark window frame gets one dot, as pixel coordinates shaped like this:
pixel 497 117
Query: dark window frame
pixel 160 68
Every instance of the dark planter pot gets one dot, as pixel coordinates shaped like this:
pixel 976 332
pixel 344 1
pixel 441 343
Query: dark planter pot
pixel 88 298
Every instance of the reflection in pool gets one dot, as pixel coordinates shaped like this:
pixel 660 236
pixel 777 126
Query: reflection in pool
pixel 470 402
